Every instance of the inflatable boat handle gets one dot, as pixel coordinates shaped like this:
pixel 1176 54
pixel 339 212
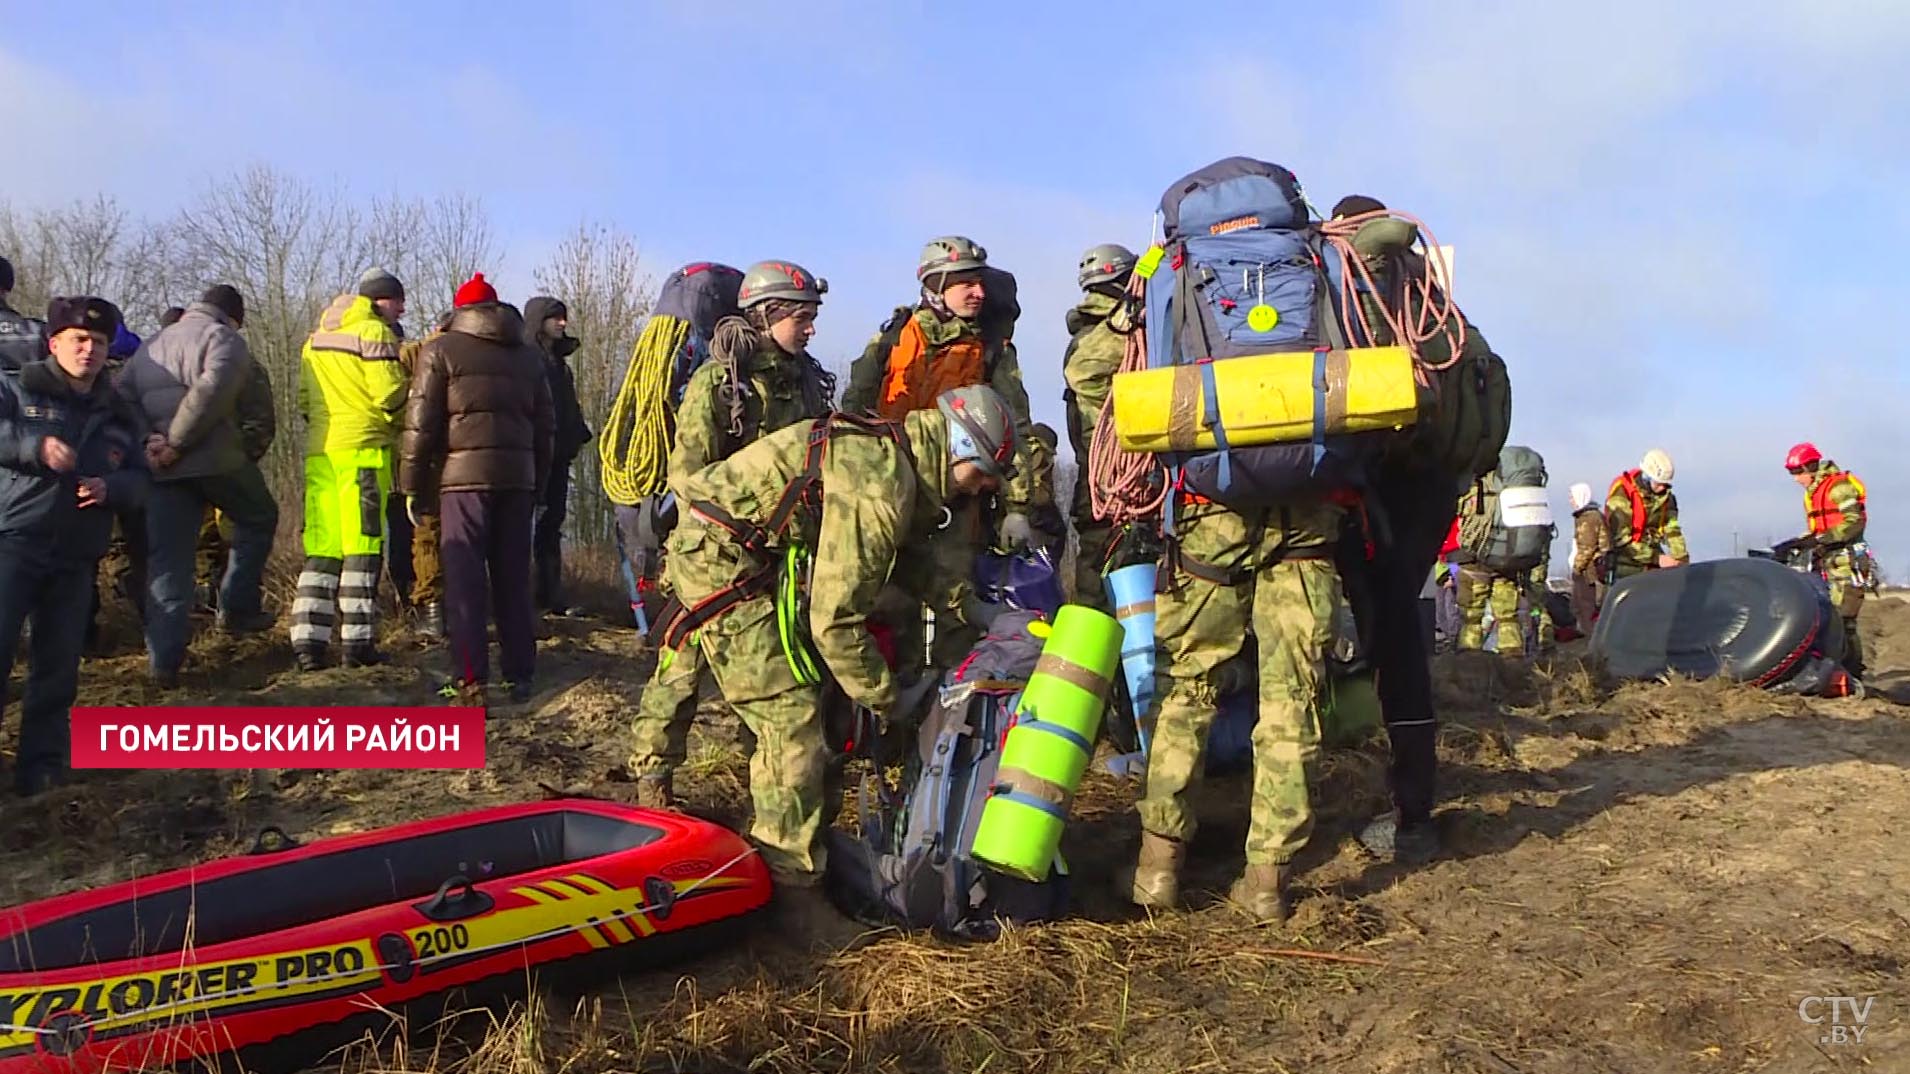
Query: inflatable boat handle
pixel 443 907
pixel 270 834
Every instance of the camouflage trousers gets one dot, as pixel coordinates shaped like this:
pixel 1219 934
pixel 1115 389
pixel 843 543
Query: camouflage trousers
pixel 660 732
pixel 1847 597
pixel 954 549
pixel 789 767
pixel 1288 604
pixel 1479 587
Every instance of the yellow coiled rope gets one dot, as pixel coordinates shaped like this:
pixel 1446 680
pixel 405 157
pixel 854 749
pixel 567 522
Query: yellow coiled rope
pixel 635 444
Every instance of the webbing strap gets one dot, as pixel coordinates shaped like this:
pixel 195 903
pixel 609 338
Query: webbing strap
pixel 693 617
pixel 1034 723
pixel 1210 403
pixel 1319 408
pixel 1032 802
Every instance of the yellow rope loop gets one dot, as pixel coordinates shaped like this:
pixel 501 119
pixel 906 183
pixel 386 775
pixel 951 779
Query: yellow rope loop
pixel 635 444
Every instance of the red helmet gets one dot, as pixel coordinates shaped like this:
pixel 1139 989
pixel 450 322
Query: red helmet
pixel 1803 457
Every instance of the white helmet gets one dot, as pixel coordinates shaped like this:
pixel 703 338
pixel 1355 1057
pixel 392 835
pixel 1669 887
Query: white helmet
pixel 1657 466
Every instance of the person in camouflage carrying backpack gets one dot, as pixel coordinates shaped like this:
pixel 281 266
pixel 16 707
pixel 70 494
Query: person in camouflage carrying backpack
pixel 1505 539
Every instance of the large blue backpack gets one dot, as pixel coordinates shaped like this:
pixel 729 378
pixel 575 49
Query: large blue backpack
pixel 909 863
pixel 1244 271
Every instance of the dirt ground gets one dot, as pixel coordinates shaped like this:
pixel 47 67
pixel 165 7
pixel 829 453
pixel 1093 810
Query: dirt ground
pixel 1649 878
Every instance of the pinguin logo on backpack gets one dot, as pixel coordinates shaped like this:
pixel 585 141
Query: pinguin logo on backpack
pixel 1235 224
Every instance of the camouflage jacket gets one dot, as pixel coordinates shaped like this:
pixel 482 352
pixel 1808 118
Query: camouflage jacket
pixel 1659 527
pixel 877 507
pixel 1835 492
pixel 866 375
pixel 1094 352
pixel 1590 540
pixel 780 391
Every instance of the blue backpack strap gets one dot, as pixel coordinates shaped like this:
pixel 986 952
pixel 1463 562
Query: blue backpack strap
pixel 1210 402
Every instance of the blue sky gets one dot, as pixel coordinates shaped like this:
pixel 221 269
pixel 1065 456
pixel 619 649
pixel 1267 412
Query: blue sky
pixel 1682 228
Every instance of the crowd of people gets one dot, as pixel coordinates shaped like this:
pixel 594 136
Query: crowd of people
pixel 808 535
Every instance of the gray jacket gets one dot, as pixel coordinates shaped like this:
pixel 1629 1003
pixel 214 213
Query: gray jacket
pixel 186 381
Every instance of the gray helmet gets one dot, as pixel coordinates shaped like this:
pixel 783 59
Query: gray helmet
pixel 980 429
pixel 1106 263
pixel 950 253
pixel 779 279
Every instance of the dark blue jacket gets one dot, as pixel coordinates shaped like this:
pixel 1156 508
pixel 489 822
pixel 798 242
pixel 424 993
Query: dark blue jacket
pixel 39 507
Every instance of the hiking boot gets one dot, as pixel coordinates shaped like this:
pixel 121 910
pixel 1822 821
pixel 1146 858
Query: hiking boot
pixel 521 693
pixel 163 678
pixel 1260 891
pixel 1413 843
pixel 245 622
pixel 364 656
pixel 654 792
pixel 310 659
pixel 805 915
pixel 1156 876
pixel 431 620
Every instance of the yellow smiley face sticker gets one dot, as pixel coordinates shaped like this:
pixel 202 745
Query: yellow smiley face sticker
pixel 1262 318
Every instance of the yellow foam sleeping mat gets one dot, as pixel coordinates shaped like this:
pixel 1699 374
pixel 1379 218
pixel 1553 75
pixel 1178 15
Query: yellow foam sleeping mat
pixel 1265 399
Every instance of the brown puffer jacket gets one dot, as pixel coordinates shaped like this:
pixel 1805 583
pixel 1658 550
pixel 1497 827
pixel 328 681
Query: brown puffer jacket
pixel 479 416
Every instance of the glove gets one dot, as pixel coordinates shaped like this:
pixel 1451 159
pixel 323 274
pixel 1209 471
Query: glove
pixel 411 509
pixel 979 613
pixel 1016 531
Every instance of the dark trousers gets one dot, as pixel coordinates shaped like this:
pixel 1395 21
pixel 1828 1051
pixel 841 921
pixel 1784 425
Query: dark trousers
pixel 175 513
pixel 1415 511
pixel 398 538
pixel 47 592
pixel 547 542
pixel 487 570
pixel 124 566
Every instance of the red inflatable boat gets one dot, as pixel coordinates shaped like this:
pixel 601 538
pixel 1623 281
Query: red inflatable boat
pixel 269 957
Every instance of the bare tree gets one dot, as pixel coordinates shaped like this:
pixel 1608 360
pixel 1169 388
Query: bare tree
pixel 595 272
pixel 85 248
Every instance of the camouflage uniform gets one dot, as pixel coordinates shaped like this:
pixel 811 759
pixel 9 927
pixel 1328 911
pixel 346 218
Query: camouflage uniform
pixel 875 507
pixel 1593 544
pixel 1050 529
pixel 1844 563
pixel 1661 529
pixel 970 529
pixel 1094 352
pixel 777 398
pixel 1286 594
pixel 1479 587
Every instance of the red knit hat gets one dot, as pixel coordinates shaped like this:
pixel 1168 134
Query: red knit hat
pixel 474 291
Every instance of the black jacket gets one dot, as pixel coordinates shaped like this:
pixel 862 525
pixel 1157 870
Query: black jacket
pixel 573 432
pixel 39 507
pixel 22 339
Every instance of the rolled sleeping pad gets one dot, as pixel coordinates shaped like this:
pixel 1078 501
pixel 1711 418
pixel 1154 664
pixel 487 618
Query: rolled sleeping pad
pixel 1049 745
pixel 1266 399
pixel 1131 593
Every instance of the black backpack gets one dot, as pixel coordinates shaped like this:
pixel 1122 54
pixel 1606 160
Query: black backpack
pixel 909 865
pixel 701 294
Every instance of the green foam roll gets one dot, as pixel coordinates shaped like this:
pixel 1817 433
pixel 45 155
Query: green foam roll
pixel 1057 716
